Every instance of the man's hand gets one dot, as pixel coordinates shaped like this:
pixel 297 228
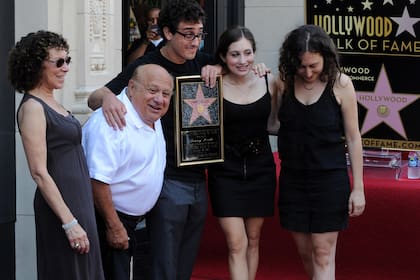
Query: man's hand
pixel 209 74
pixel 114 111
pixel 117 237
pixel 260 69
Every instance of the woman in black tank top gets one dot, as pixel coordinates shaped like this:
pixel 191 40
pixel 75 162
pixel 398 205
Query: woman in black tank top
pixel 242 188
pixel 318 118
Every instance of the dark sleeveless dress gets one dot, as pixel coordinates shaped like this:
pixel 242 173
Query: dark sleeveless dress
pixel 314 183
pixel 244 185
pixel 67 166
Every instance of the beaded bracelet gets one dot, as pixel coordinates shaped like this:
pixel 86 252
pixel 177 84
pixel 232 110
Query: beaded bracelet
pixel 70 224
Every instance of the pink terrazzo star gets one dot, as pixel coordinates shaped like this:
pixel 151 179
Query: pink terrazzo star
pixel 383 105
pixel 200 105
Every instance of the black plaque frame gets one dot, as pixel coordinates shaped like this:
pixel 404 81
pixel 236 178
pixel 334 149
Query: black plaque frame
pixel 199 121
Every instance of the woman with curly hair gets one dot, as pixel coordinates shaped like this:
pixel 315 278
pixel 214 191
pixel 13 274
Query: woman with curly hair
pixel 66 235
pixel 318 119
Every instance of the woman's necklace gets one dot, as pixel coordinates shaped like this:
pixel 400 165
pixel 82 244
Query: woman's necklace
pixel 305 86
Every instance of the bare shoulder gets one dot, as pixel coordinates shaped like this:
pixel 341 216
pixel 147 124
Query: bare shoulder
pixel 30 111
pixel 343 81
pixel 343 89
pixel 31 106
pixel 343 85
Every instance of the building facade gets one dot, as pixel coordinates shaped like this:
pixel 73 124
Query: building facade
pixel 93 29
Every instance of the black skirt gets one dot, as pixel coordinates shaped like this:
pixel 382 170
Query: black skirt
pixel 314 201
pixel 243 187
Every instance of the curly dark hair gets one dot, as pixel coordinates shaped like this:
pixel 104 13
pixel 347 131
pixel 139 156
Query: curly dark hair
pixel 180 10
pixel 229 36
pixel 27 56
pixel 308 38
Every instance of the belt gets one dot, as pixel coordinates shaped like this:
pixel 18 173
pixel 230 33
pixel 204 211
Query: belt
pixel 248 147
pixel 132 218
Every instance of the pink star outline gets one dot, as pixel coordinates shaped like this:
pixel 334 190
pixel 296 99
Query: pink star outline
pixel 200 105
pixel 384 97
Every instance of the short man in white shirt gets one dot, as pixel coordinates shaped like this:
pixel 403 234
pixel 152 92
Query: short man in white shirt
pixel 126 166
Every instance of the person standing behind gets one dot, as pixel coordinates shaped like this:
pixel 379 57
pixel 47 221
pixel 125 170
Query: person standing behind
pixel 153 39
pixel 242 188
pixel 176 221
pixel 318 118
pixel 66 237
pixel 127 177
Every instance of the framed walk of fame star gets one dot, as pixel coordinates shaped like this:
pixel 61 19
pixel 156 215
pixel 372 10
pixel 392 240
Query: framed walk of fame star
pixel 199 121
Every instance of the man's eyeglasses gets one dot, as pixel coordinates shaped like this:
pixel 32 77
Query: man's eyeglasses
pixel 191 36
pixel 60 62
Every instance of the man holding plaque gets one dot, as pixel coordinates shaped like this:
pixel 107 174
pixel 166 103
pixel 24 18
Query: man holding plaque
pixel 175 223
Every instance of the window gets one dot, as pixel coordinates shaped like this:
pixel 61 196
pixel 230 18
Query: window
pixel 220 15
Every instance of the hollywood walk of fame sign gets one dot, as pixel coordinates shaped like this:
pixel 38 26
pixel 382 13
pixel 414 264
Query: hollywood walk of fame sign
pixel 199 121
pixel 379 46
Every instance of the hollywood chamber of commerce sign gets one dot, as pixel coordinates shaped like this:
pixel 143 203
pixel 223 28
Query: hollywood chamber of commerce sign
pixel 379 46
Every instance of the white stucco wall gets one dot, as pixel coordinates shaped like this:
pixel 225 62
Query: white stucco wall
pixel 270 21
pixel 26 21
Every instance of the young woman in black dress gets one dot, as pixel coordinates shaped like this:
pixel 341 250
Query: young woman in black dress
pixel 318 124
pixel 242 188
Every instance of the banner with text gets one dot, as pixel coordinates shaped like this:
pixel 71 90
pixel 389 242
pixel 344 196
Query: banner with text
pixel 379 46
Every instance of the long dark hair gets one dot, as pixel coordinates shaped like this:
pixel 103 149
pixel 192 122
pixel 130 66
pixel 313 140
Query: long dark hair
pixel 229 36
pixel 308 38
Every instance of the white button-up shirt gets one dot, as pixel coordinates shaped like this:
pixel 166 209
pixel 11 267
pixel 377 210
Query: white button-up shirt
pixel 131 161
